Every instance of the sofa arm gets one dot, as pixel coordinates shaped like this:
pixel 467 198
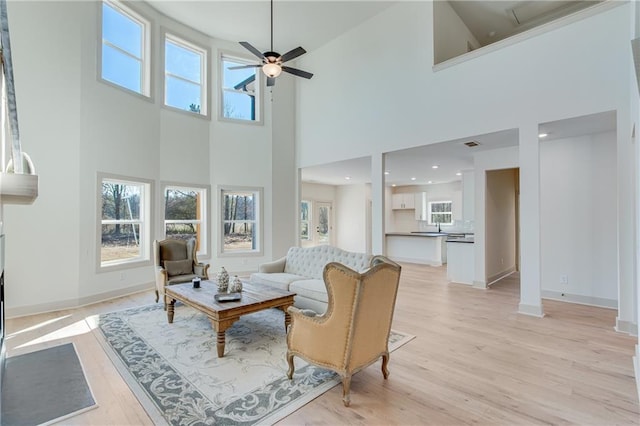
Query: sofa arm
pixel 277 266
pixel 161 279
pixel 202 270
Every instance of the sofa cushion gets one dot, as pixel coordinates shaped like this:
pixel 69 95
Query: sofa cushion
pixel 312 289
pixel 278 280
pixel 310 261
pixel 178 267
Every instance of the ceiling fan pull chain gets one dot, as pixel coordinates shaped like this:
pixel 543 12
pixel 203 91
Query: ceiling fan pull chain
pixel 272 25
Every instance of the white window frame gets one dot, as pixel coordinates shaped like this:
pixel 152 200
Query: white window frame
pixel 204 190
pixel 145 68
pixel 431 212
pixel 259 221
pixel 146 201
pixel 258 91
pixel 204 53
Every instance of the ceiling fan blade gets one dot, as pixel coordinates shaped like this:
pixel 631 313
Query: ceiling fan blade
pixel 271 81
pixel 292 54
pixel 244 66
pixel 297 72
pixel 252 49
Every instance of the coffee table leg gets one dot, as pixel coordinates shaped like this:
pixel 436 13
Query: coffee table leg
pixel 170 310
pixel 287 318
pixel 220 328
pixel 220 342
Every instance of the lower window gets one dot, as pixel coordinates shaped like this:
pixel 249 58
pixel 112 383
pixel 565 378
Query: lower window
pixel 241 220
pixel 124 221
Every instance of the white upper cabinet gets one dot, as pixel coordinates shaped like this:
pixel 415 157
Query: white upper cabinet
pixel 421 205
pixel 402 201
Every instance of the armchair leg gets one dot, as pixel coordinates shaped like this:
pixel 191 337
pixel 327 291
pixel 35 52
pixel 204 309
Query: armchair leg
pixel 157 296
pixel 385 363
pixel 291 366
pixel 346 389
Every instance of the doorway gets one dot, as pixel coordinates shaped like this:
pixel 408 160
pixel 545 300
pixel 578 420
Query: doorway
pixel 502 234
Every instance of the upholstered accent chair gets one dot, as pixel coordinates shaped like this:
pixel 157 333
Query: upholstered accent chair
pixel 176 262
pixel 354 331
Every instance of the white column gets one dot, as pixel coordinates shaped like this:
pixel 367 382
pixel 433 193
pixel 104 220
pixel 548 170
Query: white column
pixel 377 204
pixel 627 196
pixel 529 153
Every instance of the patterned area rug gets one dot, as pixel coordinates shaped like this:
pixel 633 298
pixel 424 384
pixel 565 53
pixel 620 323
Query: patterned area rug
pixel 174 370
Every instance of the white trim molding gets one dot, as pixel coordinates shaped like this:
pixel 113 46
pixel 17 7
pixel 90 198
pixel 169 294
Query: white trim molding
pixel 21 311
pixel 531 310
pixel 580 299
pixel 627 327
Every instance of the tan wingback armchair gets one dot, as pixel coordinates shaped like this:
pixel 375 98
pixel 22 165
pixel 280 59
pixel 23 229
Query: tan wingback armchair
pixel 176 262
pixel 354 331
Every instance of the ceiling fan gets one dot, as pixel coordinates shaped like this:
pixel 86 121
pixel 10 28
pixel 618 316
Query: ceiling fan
pixel 272 61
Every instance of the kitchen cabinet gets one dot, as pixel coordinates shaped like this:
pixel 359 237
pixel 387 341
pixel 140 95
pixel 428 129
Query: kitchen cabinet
pixel 421 205
pixel 461 263
pixel 423 248
pixel 402 201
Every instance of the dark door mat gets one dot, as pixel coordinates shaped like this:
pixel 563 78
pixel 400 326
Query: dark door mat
pixel 43 386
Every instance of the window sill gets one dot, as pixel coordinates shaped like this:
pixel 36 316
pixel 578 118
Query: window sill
pixel 138 263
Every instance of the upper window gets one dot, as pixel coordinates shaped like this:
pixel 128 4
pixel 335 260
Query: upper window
pixel 184 75
pixel 241 220
pixel 240 97
pixel 124 221
pixel 440 213
pixel 185 215
pixel 305 217
pixel 125 47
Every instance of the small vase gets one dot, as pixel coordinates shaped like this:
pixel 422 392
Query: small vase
pixel 223 280
pixel 236 285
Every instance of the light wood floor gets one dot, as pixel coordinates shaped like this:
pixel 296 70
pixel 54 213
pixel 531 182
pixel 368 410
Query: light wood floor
pixel 474 360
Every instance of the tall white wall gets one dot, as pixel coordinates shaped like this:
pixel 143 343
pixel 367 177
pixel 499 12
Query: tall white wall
pixel 578 223
pixel 350 217
pixel 585 70
pixel 76 126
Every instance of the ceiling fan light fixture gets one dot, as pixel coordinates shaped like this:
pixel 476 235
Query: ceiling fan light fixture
pixel 271 70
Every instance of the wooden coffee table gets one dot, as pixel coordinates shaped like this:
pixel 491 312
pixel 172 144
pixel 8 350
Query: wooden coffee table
pixel 255 297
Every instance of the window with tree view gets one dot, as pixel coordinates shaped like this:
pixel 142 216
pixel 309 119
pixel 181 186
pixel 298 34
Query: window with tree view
pixel 184 213
pixel 185 69
pixel 239 95
pixel 440 212
pixel 123 221
pixel 241 226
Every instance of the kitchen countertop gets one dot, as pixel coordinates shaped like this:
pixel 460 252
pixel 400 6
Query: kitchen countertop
pixel 417 234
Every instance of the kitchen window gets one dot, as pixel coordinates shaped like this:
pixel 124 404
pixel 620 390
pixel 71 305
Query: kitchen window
pixel 440 213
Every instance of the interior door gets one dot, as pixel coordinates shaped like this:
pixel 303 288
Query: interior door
pixel 322 216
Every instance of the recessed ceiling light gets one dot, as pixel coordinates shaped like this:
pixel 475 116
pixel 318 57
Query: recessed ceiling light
pixel 347 177
pixel 435 166
pixel 458 174
pixel 413 178
pixel 394 185
pixel 387 172
pixel 430 181
pixel 543 135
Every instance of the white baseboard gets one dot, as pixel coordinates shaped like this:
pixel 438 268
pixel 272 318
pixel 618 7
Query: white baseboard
pixel 480 284
pixel 41 308
pixel 579 299
pixel 636 369
pixel 497 277
pixel 628 327
pixel 531 310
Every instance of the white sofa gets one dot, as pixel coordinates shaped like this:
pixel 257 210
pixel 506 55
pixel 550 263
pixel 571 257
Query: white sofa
pixel 300 271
